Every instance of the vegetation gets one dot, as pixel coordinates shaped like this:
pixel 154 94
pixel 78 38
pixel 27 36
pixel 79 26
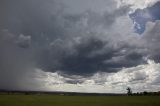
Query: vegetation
pixel 129 91
pixel 57 100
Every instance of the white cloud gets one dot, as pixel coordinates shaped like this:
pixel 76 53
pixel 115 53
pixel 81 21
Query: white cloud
pixel 140 78
pixel 137 4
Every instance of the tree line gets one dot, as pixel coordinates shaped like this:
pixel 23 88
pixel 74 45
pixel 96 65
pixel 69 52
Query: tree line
pixel 144 93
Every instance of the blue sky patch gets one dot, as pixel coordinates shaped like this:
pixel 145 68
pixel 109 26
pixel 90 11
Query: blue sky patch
pixel 141 16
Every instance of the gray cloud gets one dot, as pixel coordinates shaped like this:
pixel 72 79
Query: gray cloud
pixel 89 55
pixel 151 37
pixel 14 61
pixel 41 34
pixel 139 78
pixel 24 41
pixel 46 26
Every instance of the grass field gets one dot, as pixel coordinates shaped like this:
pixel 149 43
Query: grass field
pixel 51 100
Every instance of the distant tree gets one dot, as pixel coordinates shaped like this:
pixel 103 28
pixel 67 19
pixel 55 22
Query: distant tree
pixel 145 93
pixel 129 91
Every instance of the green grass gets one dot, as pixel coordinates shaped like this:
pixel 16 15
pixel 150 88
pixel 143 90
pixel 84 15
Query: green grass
pixel 52 100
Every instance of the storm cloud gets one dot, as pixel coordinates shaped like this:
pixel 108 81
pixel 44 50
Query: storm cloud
pixel 48 36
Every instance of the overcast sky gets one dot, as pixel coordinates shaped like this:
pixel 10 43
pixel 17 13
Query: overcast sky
pixel 80 45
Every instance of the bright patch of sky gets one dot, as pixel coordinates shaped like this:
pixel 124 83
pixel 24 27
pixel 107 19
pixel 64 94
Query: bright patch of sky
pixel 138 4
pixel 139 78
pixel 141 16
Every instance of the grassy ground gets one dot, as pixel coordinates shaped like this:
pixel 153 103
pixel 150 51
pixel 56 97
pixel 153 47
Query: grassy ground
pixel 51 100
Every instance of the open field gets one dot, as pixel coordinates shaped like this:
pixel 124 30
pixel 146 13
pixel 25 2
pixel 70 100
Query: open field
pixel 55 100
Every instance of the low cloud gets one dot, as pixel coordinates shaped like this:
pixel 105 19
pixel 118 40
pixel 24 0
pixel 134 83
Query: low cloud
pixel 139 78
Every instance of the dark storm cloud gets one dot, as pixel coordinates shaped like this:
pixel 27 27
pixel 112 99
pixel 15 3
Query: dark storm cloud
pixel 89 55
pixel 57 41
pixel 50 33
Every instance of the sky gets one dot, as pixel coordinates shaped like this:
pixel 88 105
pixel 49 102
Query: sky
pixel 101 46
